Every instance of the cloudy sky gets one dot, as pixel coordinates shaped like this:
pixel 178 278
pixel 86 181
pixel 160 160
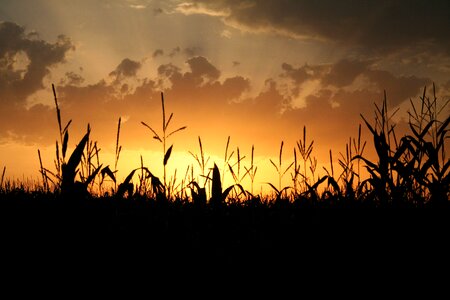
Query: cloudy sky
pixel 257 71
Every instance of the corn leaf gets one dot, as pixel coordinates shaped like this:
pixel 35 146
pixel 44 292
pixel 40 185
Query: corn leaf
pixel 167 155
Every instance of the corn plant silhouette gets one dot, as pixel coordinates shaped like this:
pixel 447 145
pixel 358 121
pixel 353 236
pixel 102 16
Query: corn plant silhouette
pixel 427 147
pixel 413 170
pixel 162 138
pixel 66 172
pixel 238 177
pixel 382 179
pixel 78 174
pixel 251 171
pixel 107 170
pixel 70 169
pixel 218 196
pixel 415 167
pixel 56 177
pixel 202 162
pixel 279 191
pixel 305 152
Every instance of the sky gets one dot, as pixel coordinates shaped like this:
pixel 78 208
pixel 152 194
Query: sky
pixel 257 71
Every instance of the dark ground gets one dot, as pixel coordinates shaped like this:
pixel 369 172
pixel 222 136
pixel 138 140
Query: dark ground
pixel 121 238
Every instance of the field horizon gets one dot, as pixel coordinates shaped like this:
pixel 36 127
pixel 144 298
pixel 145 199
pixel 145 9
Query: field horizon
pixel 423 148
pixel 263 139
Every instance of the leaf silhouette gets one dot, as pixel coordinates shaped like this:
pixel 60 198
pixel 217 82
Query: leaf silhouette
pixel 64 145
pixel 125 185
pixel 107 171
pixel 216 190
pixel 167 155
pixel 69 170
pixel 156 136
pixel 175 131
pixel 92 176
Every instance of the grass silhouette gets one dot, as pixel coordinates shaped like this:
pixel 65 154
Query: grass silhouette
pixel 406 196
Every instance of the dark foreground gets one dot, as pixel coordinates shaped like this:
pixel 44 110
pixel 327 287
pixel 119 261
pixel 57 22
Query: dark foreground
pixel 106 234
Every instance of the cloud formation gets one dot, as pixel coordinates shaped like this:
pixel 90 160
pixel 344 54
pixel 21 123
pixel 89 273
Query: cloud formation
pixel 343 74
pixel 158 52
pixel 214 106
pixel 211 104
pixel 126 68
pixel 375 26
pixel 72 78
pixel 18 79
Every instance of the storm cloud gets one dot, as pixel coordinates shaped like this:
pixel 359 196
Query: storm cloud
pixel 377 27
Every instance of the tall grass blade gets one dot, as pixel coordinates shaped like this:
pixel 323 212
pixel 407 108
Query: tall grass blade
pixel 168 121
pixel 276 168
pixel 281 152
pixel 331 164
pixel 67 126
pixel 163 112
pixel 3 177
pixel 44 182
pixel 58 112
pixel 175 131
pixel 155 135
pixel 117 140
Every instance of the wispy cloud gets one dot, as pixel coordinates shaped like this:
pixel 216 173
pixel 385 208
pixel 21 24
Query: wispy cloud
pixel 190 8
pixel 138 6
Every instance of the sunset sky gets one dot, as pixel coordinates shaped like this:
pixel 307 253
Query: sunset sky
pixel 257 71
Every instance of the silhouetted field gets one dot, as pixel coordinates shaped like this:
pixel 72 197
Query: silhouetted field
pixel 399 213
pixel 46 229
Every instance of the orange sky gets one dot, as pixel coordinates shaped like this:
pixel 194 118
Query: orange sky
pixel 257 71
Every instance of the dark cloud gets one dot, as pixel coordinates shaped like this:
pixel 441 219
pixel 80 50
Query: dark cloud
pixel 234 87
pixel 18 82
pixel 168 70
pixel 158 52
pixel 344 72
pixel 157 11
pixel 376 26
pixel 188 51
pixel 175 51
pixel 298 75
pixel 72 78
pixel 201 67
pixel 127 68
pixel 399 88
pixel 269 101
pixel 201 86
pixel 192 51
